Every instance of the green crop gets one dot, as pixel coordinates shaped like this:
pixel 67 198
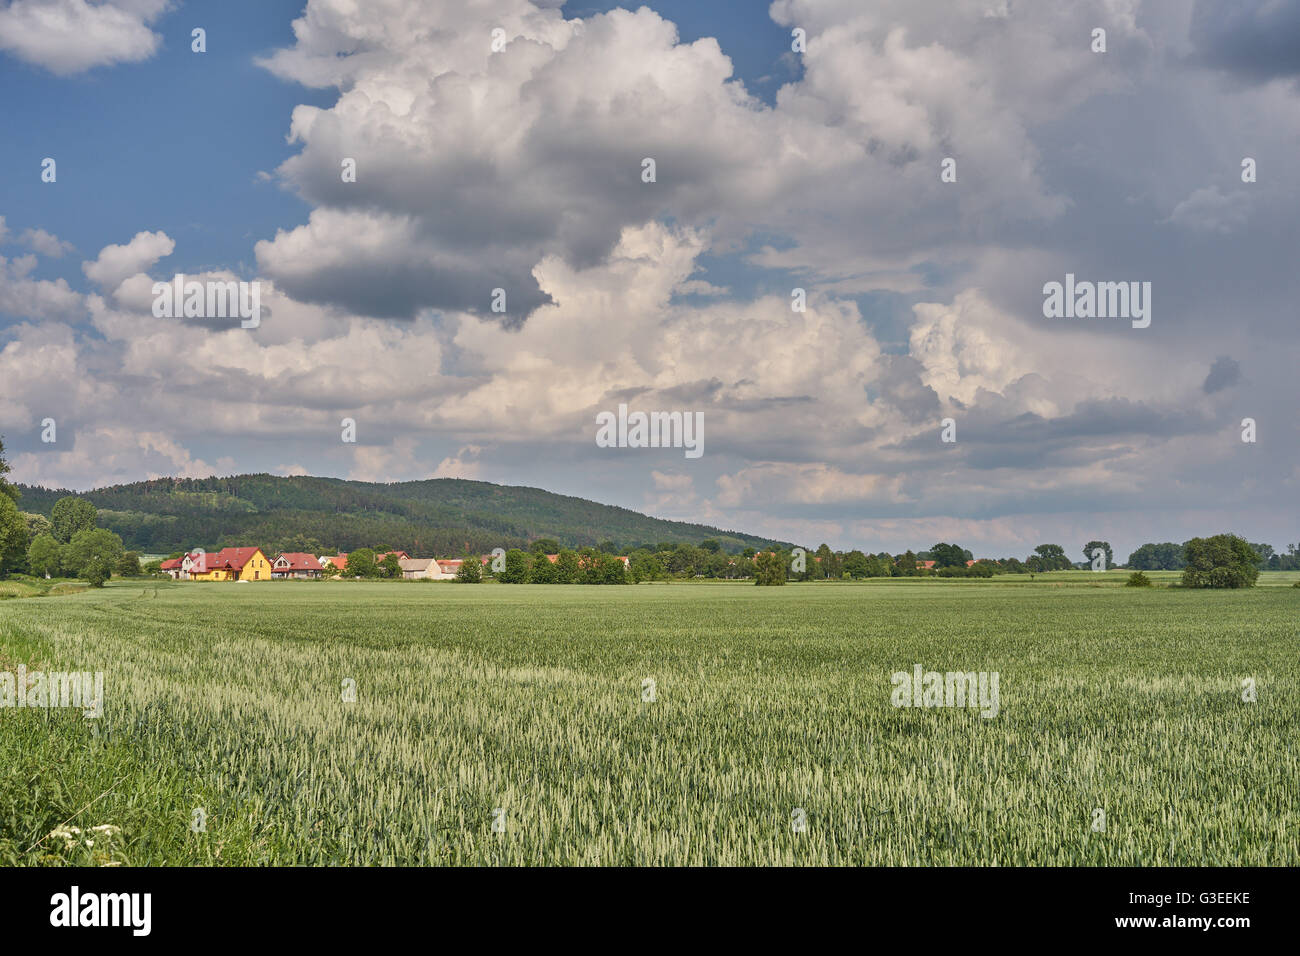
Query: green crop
pixel 524 705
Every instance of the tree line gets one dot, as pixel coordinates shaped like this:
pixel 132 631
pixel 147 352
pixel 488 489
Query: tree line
pixel 437 516
pixel 72 542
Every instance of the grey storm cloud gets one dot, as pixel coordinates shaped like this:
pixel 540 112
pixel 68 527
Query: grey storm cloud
pixel 1255 39
pixel 385 289
pixel 1029 441
pixel 900 384
pixel 1224 373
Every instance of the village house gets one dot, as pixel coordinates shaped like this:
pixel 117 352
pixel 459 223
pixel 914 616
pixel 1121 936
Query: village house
pixel 195 565
pixel 232 564
pixel 296 565
pixel 188 563
pixel 420 569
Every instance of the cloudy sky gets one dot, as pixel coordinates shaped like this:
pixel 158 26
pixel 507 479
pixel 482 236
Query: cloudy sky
pixel 521 169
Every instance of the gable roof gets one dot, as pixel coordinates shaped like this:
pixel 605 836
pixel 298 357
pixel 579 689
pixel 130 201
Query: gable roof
pixel 171 564
pixel 296 561
pixel 415 564
pixel 232 558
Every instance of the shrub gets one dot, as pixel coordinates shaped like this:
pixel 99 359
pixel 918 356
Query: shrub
pixel 470 571
pixel 1138 580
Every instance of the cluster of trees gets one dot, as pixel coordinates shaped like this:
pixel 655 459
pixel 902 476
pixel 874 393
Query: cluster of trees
pixel 585 566
pixel 1223 560
pixel 1169 556
pixel 1158 557
pixel 1270 560
pixel 365 563
pixel 646 562
pixel 73 546
pixel 437 516
pixel 949 561
pixel 601 565
pixel 668 561
pixel 66 543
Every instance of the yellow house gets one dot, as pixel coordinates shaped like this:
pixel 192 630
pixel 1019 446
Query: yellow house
pixel 234 564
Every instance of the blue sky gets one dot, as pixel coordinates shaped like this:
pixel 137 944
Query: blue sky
pixel 178 140
pixel 520 169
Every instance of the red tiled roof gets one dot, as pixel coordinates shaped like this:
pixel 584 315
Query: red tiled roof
pixel 296 561
pixel 172 564
pixel 232 558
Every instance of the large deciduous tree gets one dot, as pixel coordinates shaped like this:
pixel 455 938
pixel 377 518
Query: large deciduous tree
pixel 1050 557
pixel 13 529
pixel 949 555
pixel 770 569
pixel 543 570
pixel 1167 556
pixel 517 567
pixel 13 536
pixel 93 554
pixel 1090 552
pixel 361 564
pixel 70 516
pixel 1221 561
pixel 6 489
pixel 45 556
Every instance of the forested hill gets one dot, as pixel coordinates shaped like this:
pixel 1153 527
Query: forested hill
pixel 438 517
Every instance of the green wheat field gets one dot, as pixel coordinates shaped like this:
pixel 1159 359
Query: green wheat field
pixel 505 725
